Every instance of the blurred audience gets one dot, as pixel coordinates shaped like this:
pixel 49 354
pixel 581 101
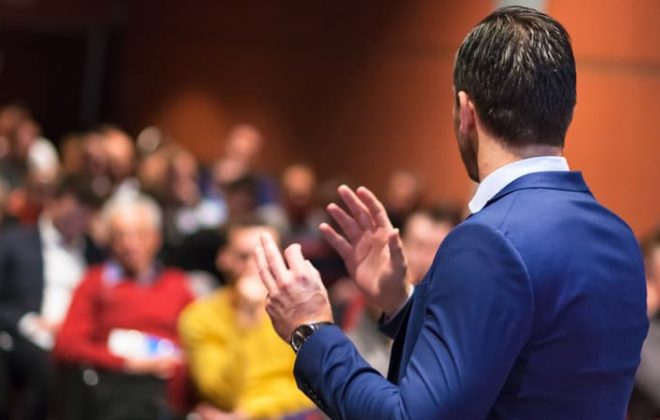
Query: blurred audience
pixel 240 367
pixel 122 322
pixel 402 196
pixel 422 234
pixel 40 265
pixel 71 153
pixel 113 328
pixel 120 154
pixel 19 132
pixel 243 148
pixel 645 399
pixel 186 210
pixel 299 200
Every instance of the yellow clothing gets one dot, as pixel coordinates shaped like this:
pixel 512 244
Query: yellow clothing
pixel 235 368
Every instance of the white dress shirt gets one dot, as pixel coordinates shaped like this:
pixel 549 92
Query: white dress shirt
pixel 503 176
pixel 63 268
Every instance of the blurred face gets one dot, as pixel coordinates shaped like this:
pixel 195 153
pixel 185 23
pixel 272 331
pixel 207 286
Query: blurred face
pixel 403 192
pixel 237 260
pixel 183 179
pixel 120 153
pixel 24 137
pixel 299 183
pixel 95 161
pixel 244 144
pixel 134 239
pixel 69 216
pixel 421 240
pixel 10 118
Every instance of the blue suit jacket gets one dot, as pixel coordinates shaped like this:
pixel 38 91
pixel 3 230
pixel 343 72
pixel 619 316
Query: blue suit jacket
pixel 534 308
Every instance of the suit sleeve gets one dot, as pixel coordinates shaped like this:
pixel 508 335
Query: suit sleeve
pixel 476 316
pixel 75 342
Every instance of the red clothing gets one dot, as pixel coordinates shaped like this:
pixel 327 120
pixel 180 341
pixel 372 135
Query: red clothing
pixel 101 304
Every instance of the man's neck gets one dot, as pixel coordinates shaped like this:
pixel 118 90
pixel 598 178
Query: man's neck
pixel 493 155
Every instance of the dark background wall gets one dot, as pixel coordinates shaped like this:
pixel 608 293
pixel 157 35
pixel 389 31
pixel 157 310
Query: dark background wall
pixel 356 88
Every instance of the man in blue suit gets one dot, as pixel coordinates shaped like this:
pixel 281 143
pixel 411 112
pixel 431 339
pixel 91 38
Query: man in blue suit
pixel 534 307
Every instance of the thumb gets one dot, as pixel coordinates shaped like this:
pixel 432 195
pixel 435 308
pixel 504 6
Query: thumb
pixel 397 256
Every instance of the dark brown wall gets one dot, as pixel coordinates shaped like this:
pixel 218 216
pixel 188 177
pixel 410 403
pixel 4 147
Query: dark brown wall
pixel 359 88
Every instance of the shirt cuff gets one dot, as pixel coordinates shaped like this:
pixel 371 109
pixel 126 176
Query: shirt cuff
pixel 387 318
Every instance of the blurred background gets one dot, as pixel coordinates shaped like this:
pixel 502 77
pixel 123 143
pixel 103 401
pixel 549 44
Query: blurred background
pixel 354 88
pixel 145 145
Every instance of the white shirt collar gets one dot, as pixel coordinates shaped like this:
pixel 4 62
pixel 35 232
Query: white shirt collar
pixel 500 178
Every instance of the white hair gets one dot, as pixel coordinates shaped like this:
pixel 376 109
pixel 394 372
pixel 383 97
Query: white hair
pixel 129 203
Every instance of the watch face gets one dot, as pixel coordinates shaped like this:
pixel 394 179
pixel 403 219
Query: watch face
pixel 300 335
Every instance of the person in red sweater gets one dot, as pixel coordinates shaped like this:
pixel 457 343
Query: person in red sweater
pixel 121 325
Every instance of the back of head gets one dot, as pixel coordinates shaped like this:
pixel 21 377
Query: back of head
pixel 518 68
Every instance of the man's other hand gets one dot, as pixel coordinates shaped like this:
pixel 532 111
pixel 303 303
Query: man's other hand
pixel 296 294
pixel 370 247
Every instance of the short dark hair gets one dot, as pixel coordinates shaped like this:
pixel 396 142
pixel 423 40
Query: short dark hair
pixel 81 188
pixel 518 68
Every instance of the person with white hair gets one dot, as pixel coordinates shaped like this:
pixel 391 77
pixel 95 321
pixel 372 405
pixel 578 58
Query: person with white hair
pixel 121 326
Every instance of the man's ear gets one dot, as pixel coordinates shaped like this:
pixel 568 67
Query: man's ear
pixel 466 113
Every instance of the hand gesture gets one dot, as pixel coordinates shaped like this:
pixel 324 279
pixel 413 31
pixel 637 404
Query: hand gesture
pixel 371 248
pixel 296 294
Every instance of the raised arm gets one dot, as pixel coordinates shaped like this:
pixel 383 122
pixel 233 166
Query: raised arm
pixel 370 247
pixel 469 321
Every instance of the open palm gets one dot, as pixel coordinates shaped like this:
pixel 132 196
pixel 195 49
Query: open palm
pixel 370 247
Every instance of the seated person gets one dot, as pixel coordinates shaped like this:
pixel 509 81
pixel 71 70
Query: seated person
pixel 645 399
pixel 40 267
pixel 122 320
pixel 239 365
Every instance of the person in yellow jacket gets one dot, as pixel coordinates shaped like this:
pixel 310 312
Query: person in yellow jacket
pixel 241 368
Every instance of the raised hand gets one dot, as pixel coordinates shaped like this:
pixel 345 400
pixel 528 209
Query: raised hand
pixel 370 247
pixel 296 294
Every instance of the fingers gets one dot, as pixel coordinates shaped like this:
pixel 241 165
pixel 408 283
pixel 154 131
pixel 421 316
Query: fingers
pixel 397 257
pixel 357 207
pixel 346 222
pixel 335 240
pixel 295 259
pixel 376 208
pixel 264 272
pixel 316 275
pixel 274 259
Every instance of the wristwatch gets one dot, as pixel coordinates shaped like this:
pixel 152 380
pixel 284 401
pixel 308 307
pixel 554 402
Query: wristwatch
pixel 303 332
